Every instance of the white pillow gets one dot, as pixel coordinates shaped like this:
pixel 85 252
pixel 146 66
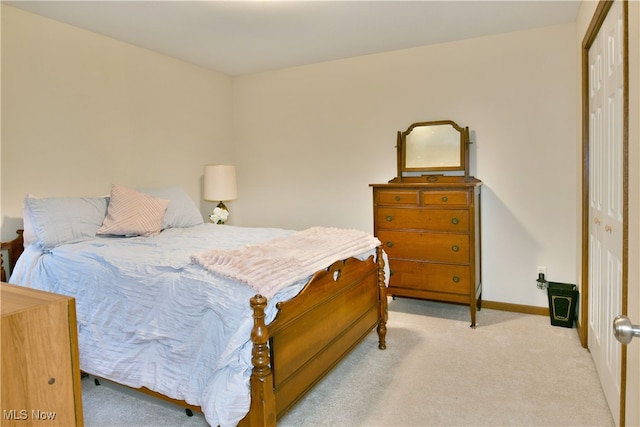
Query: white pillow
pixel 131 213
pixel 29 234
pixel 59 220
pixel 182 211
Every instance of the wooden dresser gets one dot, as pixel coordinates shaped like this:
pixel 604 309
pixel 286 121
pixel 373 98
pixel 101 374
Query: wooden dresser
pixel 40 366
pixel 431 233
pixel 428 217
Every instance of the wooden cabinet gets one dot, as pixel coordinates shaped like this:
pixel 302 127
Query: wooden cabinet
pixel 430 230
pixel 429 224
pixel 40 367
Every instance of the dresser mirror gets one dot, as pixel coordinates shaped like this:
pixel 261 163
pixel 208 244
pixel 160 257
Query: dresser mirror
pixel 433 147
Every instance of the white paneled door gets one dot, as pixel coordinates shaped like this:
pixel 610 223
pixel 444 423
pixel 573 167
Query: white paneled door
pixel 606 100
pixel 606 215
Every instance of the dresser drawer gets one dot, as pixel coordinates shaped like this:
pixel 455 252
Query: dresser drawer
pixel 429 277
pixel 445 198
pixel 397 197
pixel 425 246
pixel 451 220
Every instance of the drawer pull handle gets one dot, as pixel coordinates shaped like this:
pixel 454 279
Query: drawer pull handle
pixel 389 244
pixel 455 248
pixel 51 381
pixel 389 218
pixel 454 220
pixel 456 279
pixel 445 199
pixel 397 198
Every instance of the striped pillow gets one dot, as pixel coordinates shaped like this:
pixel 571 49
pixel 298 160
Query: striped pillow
pixel 131 213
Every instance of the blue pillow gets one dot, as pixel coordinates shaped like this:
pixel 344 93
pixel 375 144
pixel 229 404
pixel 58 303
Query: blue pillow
pixel 60 220
pixel 182 211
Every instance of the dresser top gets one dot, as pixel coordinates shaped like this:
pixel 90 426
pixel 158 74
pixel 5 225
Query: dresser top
pixel 18 298
pixel 428 181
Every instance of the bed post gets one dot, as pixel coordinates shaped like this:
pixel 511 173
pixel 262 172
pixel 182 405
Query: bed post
pixel 383 315
pixel 263 398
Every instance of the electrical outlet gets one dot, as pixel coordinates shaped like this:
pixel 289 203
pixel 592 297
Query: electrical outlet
pixel 543 270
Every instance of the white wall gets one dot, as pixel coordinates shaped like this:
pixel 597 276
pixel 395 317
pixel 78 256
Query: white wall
pixel 309 140
pixel 81 111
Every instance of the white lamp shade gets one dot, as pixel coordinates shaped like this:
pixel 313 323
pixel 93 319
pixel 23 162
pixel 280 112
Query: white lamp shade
pixel 220 183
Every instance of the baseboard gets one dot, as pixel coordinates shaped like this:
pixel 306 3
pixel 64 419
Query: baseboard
pixel 516 308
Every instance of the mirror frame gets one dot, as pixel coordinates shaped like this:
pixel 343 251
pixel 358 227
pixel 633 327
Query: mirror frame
pixel 464 150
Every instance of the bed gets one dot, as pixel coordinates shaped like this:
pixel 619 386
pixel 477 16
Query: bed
pixel 184 312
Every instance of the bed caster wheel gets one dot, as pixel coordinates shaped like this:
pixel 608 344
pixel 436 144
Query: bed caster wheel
pixel 189 412
pixel 96 381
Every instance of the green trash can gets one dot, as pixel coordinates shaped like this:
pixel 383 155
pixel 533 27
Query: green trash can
pixel 563 303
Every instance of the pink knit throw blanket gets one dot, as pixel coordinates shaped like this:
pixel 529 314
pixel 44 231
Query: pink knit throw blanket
pixel 273 265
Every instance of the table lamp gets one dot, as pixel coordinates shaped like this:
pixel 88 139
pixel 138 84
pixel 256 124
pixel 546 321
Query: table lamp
pixel 220 186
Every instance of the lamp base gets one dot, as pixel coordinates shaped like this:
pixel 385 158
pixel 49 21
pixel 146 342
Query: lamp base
pixel 220 214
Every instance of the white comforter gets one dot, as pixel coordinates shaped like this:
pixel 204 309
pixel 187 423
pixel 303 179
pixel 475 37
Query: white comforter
pixel 147 316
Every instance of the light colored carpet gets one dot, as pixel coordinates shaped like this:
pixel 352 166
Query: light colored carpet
pixel 512 370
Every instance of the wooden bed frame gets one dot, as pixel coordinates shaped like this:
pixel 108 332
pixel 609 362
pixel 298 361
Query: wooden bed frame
pixel 311 333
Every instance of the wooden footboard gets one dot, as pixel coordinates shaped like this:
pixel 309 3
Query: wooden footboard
pixel 312 333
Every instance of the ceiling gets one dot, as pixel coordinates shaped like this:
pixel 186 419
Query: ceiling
pixel 243 37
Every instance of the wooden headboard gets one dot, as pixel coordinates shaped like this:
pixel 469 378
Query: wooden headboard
pixel 14 249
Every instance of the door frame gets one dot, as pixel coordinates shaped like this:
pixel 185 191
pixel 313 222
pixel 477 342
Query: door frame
pixel 583 326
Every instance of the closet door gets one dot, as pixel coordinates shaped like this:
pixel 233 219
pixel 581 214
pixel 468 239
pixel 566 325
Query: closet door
pixel 606 215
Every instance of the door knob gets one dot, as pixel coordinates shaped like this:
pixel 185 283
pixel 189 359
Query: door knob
pixel 624 330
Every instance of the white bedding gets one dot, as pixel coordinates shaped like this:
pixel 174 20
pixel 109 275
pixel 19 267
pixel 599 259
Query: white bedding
pixel 147 316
